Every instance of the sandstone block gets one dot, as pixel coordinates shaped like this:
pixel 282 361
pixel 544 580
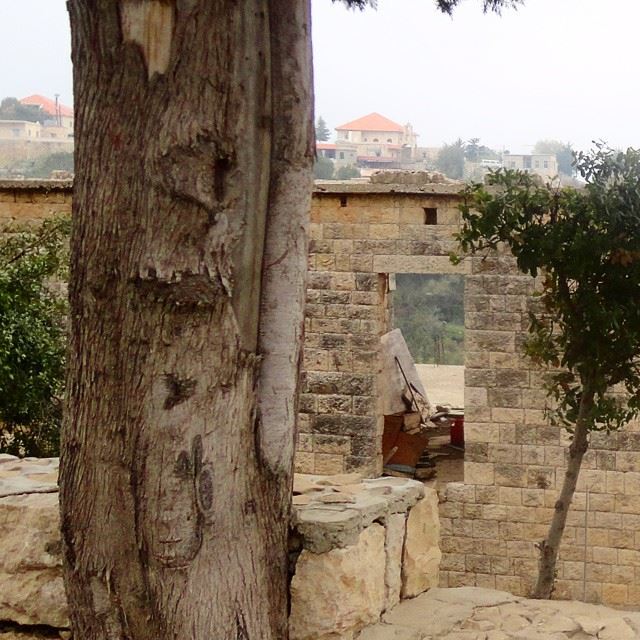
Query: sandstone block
pixel 341 591
pixel 31 588
pixel 421 557
pixel 393 546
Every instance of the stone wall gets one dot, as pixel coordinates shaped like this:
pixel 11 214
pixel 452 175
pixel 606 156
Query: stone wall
pixel 357 548
pixel 360 233
pixel 514 460
pixel 28 201
pixel 515 464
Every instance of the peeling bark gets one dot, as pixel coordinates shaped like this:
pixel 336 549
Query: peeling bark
pixel 550 546
pixel 193 165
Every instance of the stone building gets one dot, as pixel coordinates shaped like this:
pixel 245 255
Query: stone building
pixel 379 143
pixel 514 460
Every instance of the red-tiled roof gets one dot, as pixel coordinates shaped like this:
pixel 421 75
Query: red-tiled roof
pixel 372 122
pixel 325 145
pixel 48 105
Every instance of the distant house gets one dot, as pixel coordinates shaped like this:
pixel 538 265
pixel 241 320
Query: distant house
pixel 545 165
pixel 58 115
pixel 19 130
pixel 343 156
pixel 378 142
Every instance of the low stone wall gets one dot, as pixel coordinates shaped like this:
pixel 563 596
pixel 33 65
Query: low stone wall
pixel 31 588
pixel 361 547
pixel 31 201
pixel 357 548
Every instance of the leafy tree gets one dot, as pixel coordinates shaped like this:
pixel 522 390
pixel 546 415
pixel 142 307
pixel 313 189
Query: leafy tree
pixel 323 168
pixel 563 151
pixel 450 159
pixel 322 131
pixel 347 173
pixel 474 151
pixel 32 336
pixel 430 311
pixel 585 246
pixel 13 109
pixel 186 310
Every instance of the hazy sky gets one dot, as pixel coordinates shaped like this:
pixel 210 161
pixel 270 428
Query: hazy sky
pixel 562 69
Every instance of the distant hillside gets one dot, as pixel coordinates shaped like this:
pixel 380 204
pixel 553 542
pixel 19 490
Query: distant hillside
pixel 429 309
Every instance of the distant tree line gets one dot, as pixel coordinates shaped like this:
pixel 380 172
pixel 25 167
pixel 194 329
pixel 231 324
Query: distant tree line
pixel 13 109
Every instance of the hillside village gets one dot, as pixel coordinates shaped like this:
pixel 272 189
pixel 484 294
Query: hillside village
pixel 36 138
pixel 375 143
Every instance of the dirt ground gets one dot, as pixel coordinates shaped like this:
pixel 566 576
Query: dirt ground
pixel 444 383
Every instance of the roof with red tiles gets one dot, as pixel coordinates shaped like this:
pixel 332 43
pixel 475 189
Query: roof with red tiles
pixel 48 105
pixel 372 122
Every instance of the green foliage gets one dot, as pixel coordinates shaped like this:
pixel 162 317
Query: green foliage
pixel 584 246
pixel 474 151
pixel 450 159
pixel 347 173
pixel 429 309
pixel 322 131
pixel 32 336
pixel 563 152
pixel 42 167
pixel 13 109
pixel 323 168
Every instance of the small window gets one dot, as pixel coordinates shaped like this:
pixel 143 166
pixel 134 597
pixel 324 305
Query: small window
pixel 546 164
pixel 430 215
pixel 343 201
pixel 538 164
pixel 342 155
pixel 376 140
pixel 366 139
pixel 389 140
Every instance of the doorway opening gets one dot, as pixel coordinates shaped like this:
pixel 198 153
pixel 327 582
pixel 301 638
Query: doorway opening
pixel 429 310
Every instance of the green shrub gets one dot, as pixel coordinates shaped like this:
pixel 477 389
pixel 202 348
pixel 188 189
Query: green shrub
pixel 33 309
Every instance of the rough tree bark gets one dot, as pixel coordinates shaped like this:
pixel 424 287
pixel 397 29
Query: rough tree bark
pixel 194 148
pixel 551 545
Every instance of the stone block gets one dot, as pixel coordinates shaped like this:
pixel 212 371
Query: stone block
pixel 510 475
pixel 421 556
pixel 328 463
pixel 334 404
pixel 478 473
pixel 332 444
pixel 394 263
pixel 304 462
pixel 481 432
pixel 32 590
pixel 384 231
pixel 340 591
pixel 344 425
pixel 393 546
pixel 305 443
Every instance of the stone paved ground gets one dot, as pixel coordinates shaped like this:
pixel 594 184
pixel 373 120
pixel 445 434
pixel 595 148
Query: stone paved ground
pixel 470 613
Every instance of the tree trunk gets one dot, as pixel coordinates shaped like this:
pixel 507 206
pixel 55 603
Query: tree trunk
pixel 550 546
pixel 194 145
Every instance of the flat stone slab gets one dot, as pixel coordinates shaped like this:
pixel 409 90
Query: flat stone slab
pixel 330 512
pixel 27 475
pixel 470 613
